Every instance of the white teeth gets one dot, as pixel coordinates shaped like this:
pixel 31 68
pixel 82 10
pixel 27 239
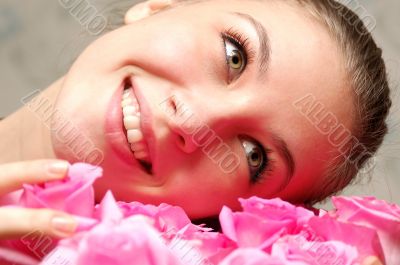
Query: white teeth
pixel 131 116
pixel 137 147
pixel 126 102
pixel 130 111
pixel 126 94
pixel 134 136
pixel 131 122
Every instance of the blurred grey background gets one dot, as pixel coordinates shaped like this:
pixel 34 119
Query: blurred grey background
pixel 39 40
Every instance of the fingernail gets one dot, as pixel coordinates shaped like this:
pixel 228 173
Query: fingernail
pixel 64 226
pixel 58 168
pixel 84 223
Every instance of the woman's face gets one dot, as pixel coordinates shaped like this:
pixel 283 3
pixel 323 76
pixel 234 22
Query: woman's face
pixel 215 83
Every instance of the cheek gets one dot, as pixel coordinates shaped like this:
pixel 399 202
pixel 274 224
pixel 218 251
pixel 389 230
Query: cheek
pixel 203 182
pixel 172 52
pixel 171 48
pixel 79 117
pixel 205 197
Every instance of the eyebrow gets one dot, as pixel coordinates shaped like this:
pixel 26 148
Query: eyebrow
pixel 264 47
pixel 287 156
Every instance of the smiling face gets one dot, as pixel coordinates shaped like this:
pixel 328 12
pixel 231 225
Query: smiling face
pixel 227 70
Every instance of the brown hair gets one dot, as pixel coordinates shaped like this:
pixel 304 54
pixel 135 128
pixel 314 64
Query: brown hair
pixel 367 80
pixel 369 86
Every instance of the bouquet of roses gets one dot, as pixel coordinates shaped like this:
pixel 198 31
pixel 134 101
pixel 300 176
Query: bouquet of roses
pixel 265 232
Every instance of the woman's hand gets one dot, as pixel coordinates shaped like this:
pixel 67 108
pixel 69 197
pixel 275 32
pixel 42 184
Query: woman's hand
pixel 17 222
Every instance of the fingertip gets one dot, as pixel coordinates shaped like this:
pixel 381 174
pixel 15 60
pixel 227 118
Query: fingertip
pixel 372 260
pixel 58 169
pixel 64 225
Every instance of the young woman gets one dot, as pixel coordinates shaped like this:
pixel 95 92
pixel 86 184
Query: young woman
pixel 197 103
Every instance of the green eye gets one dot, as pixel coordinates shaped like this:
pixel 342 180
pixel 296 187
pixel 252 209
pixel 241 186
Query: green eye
pixel 238 53
pixel 235 60
pixel 255 158
pixel 253 153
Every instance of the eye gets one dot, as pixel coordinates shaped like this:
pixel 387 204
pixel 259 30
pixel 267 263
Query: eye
pixel 257 159
pixel 236 57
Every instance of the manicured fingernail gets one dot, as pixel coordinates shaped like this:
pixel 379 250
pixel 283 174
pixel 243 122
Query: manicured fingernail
pixel 58 168
pixel 64 226
pixel 84 223
pixel 371 260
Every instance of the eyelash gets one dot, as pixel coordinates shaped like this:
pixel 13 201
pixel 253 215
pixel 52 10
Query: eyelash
pixel 267 168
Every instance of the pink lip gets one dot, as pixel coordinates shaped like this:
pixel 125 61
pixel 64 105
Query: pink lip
pixel 115 132
pixel 146 117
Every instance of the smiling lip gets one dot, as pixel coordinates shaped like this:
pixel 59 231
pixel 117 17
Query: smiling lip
pixel 115 132
pixel 146 121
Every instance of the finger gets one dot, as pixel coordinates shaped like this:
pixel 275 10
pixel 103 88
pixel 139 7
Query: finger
pixel 372 261
pixel 25 223
pixel 155 5
pixel 137 12
pixel 13 175
pixel 147 8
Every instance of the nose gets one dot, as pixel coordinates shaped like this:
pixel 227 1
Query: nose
pixel 194 121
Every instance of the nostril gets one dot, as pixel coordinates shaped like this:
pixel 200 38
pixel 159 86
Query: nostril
pixel 185 144
pixel 173 106
pixel 181 141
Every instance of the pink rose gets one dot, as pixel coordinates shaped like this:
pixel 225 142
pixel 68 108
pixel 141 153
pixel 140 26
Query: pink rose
pixel 73 195
pixel 167 218
pixel 327 228
pixel 192 244
pixel 252 256
pixel 117 239
pixel 276 209
pixel 375 214
pixel 131 241
pixel 265 232
pixel 132 233
pixel 262 222
pixel 179 233
pixel 200 245
pixel 297 249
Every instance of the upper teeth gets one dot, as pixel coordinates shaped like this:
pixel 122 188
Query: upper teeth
pixel 131 114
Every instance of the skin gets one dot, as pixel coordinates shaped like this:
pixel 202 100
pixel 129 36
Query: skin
pixel 180 52
pixel 188 61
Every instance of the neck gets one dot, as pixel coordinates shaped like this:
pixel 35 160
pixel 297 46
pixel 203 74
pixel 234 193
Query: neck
pixel 25 134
